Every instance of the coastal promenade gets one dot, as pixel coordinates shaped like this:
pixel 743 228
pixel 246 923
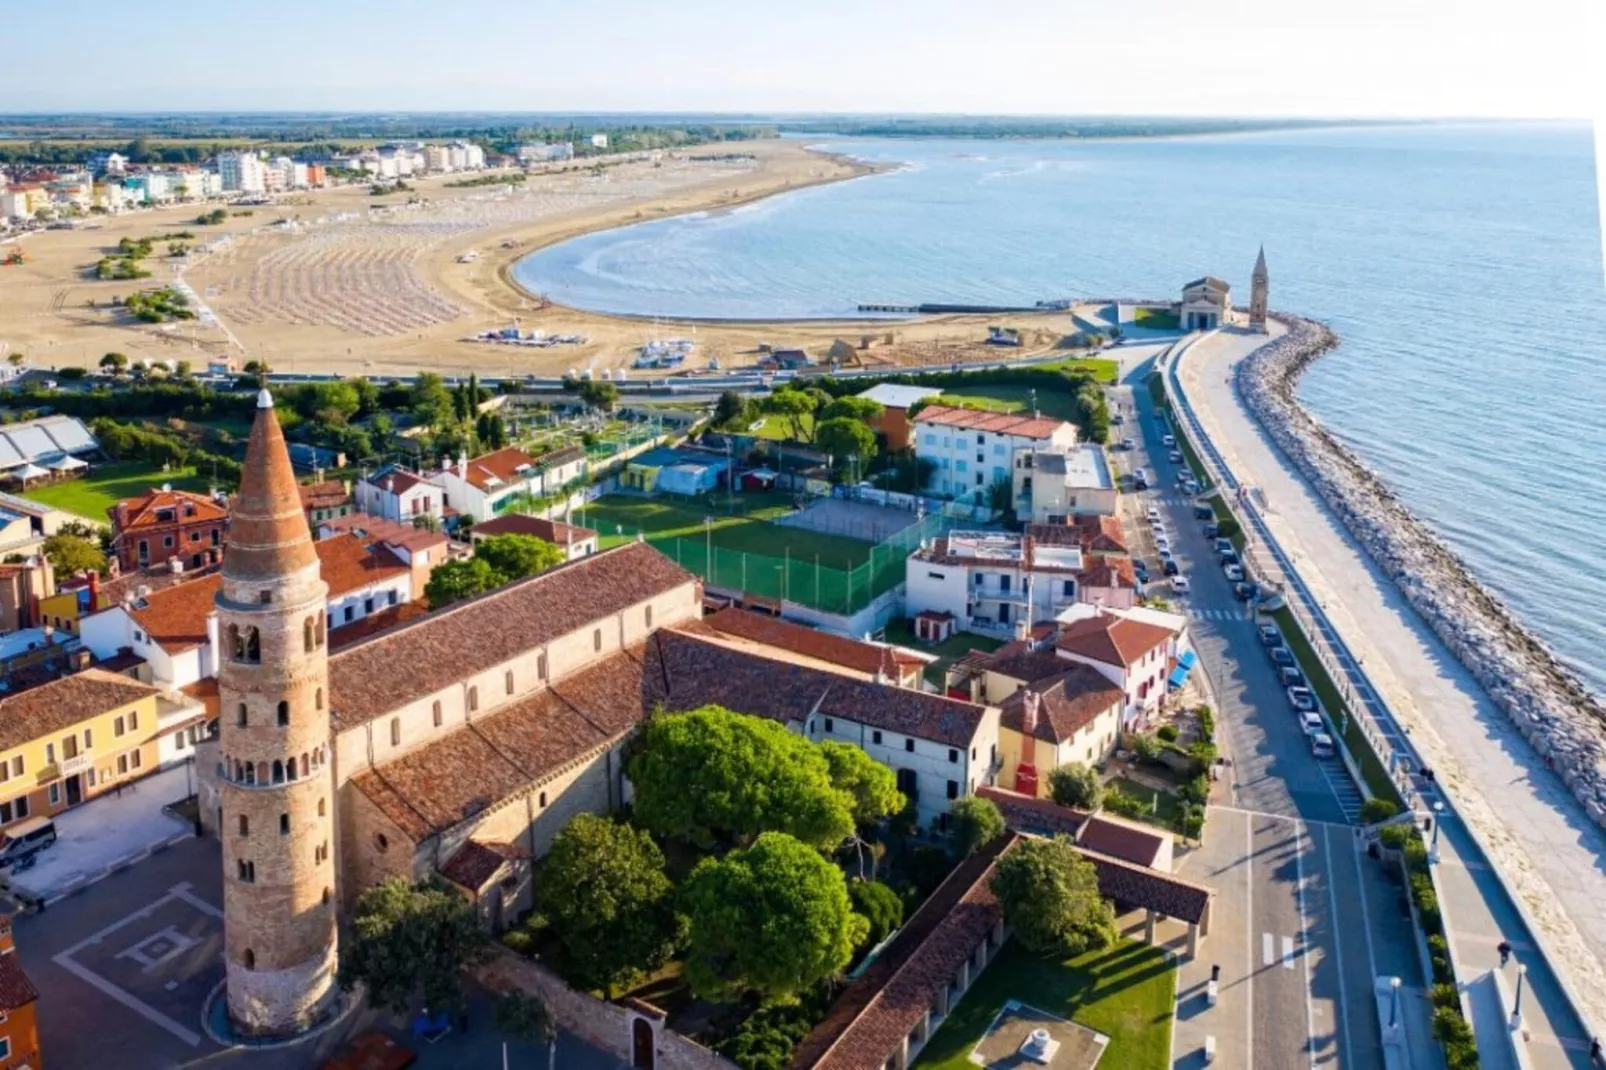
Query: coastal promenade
pixel 1509 813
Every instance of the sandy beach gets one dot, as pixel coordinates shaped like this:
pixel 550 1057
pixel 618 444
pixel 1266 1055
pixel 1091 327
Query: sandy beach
pixel 340 281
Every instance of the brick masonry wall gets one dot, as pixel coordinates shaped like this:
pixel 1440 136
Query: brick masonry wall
pixel 601 1024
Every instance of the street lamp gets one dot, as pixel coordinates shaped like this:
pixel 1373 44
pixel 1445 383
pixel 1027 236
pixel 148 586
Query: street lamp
pixel 1438 822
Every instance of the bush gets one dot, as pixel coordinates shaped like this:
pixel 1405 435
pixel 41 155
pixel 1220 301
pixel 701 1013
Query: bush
pixel 1207 724
pixel 1394 837
pixel 1196 790
pixel 1192 822
pixel 1426 900
pixel 879 905
pixel 1230 527
pixel 1437 945
pixel 1375 810
pixel 1204 753
pixel 1446 996
pixel 927 867
pixel 1416 855
pixel 1449 1027
pixel 1075 785
pixel 519 940
pixel 1119 802
pixel 1147 748
pixel 1168 733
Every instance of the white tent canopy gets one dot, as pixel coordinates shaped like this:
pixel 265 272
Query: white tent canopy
pixel 66 464
pixel 29 471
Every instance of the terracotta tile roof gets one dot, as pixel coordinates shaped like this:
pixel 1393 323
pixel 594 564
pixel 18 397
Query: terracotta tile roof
pixel 492 471
pixel 475 863
pixel 380 529
pixel 65 702
pixel 1118 839
pixel 142 512
pixel 553 531
pixel 810 642
pixel 998 423
pixel 401 479
pixel 690 670
pixel 1114 572
pixel 329 494
pixel 175 618
pixel 1020 659
pixel 268 536
pixel 1070 702
pixel 16 991
pixel 1092 534
pixel 123 663
pixel 870 1020
pixel 1125 882
pixel 206 693
pixel 496 756
pixel 401 665
pixel 1112 640
pixel 121 588
pixel 345 635
pixel 1027 813
pixel 350 563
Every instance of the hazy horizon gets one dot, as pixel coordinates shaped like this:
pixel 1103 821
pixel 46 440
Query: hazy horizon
pixel 1368 59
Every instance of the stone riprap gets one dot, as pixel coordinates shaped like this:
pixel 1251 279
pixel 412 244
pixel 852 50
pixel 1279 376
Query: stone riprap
pixel 1559 717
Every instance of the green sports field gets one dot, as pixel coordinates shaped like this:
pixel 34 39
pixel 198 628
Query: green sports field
pixel 91 495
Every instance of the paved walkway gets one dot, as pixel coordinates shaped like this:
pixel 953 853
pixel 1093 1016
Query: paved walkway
pixel 1548 851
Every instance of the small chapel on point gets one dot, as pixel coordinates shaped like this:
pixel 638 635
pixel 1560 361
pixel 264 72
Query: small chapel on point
pixel 1207 302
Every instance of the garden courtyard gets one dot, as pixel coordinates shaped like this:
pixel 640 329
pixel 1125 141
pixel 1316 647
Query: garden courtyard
pixel 107 484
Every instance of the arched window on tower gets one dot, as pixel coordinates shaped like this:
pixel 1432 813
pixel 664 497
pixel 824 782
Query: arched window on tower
pixel 278 771
pixel 318 699
pixel 436 709
pixel 250 774
pixel 507 681
pixel 252 643
pixel 262 773
pixel 249 959
pixel 244 715
pixel 473 699
pixel 236 643
pixel 305 768
pixel 245 825
pixel 323 625
pixel 321 808
pixel 290 768
pixel 395 731
pixel 309 634
pixel 284 713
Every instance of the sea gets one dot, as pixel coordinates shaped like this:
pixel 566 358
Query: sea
pixel 1460 264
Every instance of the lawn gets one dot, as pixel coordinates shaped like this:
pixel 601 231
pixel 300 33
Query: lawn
pixel 1166 809
pixel 108 484
pixel 1355 741
pixel 663 521
pixel 1010 397
pixel 901 631
pixel 1127 992
pixel 779 428
pixel 1156 320
pixel 1102 369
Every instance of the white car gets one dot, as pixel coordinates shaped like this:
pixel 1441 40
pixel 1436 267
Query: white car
pixel 1311 722
pixel 1168 440
pixel 1162 543
pixel 1234 573
pixel 1153 512
pixel 1179 584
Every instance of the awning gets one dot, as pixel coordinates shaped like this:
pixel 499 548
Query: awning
pixel 1179 676
pixel 1188 659
pixel 29 471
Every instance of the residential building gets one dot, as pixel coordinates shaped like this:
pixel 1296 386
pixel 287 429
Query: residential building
pixel 397 493
pixel 870 661
pixel 19 1024
pixel 487 485
pixel 108 163
pixel 972 450
pixel 893 426
pixel 1053 485
pixel 419 548
pixel 1206 304
pixel 74 599
pixel 1133 650
pixel 599 141
pixel 992 581
pixel 24 585
pixel 575 541
pixel 546 153
pixel 242 172
pixel 325 500
pixel 72 739
pixel 168 526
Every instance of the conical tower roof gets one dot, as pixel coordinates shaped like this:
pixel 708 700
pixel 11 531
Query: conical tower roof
pixel 1260 264
pixel 268 536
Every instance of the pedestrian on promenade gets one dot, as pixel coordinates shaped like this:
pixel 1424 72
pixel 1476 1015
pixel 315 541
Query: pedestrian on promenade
pixel 1505 952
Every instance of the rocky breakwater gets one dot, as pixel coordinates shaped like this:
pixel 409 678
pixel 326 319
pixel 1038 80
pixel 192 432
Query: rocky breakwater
pixel 1560 718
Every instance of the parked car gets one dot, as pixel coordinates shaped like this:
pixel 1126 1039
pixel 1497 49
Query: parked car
pixel 1321 745
pixel 1311 722
pixel 1169 566
pixel 1234 573
pixel 1175 456
pixel 1290 676
pixel 1162 541
pixel 1168 440
pixel 1282 655
pixel 1152 512
pixel 1245 592
pixel 1301 698
pixel 25 839
pixel 1203 512
pixel 1224 546
pixel 1190 484
pixel 1140 570
pixel 1140 479
pixel 1212 530
pixel 1270 636
pixel 1128 445
pixel 1229 557
pixel 1180 584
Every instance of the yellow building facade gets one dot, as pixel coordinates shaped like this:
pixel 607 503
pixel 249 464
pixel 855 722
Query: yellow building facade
pixel 73 739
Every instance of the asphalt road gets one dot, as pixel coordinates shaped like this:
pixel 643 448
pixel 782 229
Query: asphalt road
pixel 1304 919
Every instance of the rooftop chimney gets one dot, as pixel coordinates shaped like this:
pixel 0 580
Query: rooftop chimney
pixel 1029 710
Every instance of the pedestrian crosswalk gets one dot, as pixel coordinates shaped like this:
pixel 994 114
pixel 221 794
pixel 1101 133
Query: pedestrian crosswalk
pixel 1219 614
pixel 1338 778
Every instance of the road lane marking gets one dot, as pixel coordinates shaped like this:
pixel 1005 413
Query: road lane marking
pixel 1268 951
pixel 1288 952
pixel 1338 944
pixel 1249 935
pixel 1304 935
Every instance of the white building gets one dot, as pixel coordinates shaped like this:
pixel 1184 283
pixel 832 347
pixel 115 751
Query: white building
pixel 992 581
pixel 1051 485
pixel 485 486
pixel 599 141
pixel 546 153
pixel 1136 649
pixel 395 493
pixel 437 158
pixel 575 542
pixel 971 449
pixel 242 172
pixel 1206 304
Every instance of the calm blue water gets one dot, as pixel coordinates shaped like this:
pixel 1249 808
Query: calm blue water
pixel 1460 264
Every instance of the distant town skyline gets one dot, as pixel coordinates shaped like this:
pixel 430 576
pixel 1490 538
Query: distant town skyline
pixel 1368 58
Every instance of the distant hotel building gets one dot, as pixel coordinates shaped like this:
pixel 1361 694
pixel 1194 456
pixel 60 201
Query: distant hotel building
pixel 242 172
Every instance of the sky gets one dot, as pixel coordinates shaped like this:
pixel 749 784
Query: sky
pixel 1360 58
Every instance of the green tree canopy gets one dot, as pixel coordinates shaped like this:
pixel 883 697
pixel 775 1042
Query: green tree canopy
pixel 877 904
pixel 1076 785
pixel 115 361
pixel 605 895
pixel 73 553
pixel 329 402
pixel 712 775
pixel 431 402
pixel 797 407
pixel 846 437
pixel 873 786
pixel 773 919
pixel 599 394
pixel 527 1020
pixel 410 941
pixel 453 581
pixel 513 557
pixel 852 408
pixel 732 411
pixel 1050 896
pixel 976 823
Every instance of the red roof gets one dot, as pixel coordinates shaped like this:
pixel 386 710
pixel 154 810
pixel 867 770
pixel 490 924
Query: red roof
pixel 998 423
pixel 187 508
pixel 553 531
pixel 16 991
pixel 809 642
pixel 1121 840
pixel 1112 640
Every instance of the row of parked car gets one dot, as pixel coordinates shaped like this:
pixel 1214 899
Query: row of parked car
pixel 1300 696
